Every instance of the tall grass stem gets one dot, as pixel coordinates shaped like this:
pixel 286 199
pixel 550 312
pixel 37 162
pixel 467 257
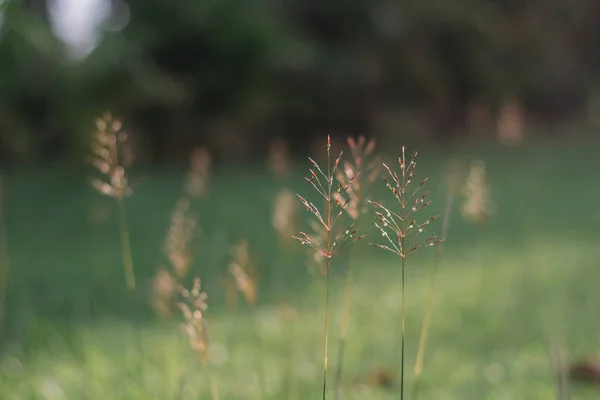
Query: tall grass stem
pixel 126 245
pixel 430 301
pixel 343 333
pixel 4 261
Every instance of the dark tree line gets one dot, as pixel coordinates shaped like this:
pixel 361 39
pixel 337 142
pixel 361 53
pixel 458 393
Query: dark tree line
pixel 223 71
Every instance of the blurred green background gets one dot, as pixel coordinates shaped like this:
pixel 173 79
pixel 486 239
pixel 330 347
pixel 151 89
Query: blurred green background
pixel 508 86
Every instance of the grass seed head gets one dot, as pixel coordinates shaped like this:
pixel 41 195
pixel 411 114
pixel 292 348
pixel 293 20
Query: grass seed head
pixel 478 204
pixel 180 234
pixel 280 159
pixel 334 188
pixel 199 173
pixel 359 173
pixel 397 227
pixel 192 307
pixel 111 155
pixel 284 215
pixel 241 270
pixel 164 288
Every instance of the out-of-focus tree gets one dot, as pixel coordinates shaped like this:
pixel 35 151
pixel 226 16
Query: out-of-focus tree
pixel 234 74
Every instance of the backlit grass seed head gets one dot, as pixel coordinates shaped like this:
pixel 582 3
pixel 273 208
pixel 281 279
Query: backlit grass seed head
pixel 280 159
pixel 337 198
pixel 241 270
pixel 396 228
pixel 164 288
pixel 478 204
pixel 180 234
pixel 192 306
pixel 243 283
pixel 284 215
pixel 197 181
pixel 111 156
pixel 355 172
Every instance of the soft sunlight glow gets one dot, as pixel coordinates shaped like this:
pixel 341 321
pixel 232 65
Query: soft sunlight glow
pixel 77 23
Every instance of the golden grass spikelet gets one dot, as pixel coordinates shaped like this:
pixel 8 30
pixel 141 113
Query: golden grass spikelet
pixel 478 204
pixel 111 156
pixel 284 215
pixel 280 159
pixel 396 228
pixel 241 270
pixel 180 234
pixel 337 198
pixel 361 172
pixel 198 176
pixel 192 307
pixel 164 288
pixel 244 283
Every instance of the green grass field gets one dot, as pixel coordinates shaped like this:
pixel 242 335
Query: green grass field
pixel 507 290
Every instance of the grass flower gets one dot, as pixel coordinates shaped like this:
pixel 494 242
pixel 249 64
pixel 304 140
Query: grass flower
pixel 398 228
pixel 361 171
pixel 280 159
pixel 199 173
pixel 327 242
pixel 192 306
pixel 478 204
pixel 111 156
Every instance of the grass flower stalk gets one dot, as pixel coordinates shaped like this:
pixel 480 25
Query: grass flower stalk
pixel 245 280
pixel 353 171
pixel 111 156
pixel 397 228
pixel 4 261
pixel 328 244
pixel 192 306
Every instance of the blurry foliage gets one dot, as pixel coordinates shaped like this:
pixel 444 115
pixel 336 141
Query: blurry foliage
pixel 224 71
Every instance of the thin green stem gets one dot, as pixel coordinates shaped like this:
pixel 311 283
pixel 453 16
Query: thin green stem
pixel 327 265
pixel 343 334
pixel 4 264
pixel 214 389
pixel 325 353
pixel 403 331
pixel 259 352
pixel 430 301
pixel 424 330
pixel 212 382
pixel 290 358
pixel 402 287
pixel 125 246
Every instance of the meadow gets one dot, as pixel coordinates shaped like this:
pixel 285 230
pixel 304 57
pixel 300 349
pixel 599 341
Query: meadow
pixel 508 289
